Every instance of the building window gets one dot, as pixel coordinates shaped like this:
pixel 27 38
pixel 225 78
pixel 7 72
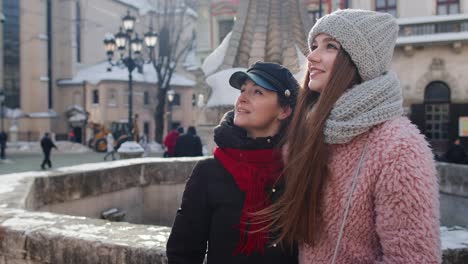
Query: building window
pixel 447 7
pixel 225 26
pixel 112 98
pixel 11 53
pixel 176 100
pixel 95 98
pixel 386 6
pixel 437 106
pixel 78 31
pixel 146 98
pixel 146 129
pixel 194 99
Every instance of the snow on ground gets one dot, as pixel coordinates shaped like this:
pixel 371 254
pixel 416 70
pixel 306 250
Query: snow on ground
pixel 66 147
pixel 453 237
pixel 33 147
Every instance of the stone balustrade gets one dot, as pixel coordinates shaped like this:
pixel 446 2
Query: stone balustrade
pixel 52 217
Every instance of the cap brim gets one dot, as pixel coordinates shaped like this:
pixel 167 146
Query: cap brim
pixel 238 78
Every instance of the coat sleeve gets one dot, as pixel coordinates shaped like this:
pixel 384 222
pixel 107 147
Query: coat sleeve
pixel 407 204
pixel 188 239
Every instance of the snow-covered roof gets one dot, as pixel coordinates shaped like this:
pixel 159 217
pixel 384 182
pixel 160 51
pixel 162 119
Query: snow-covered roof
pixel 433 38
pixel 215 59
pixel 192 62
pixel 431 19
pixel 222 92
pixel 145 6
pixel 99 72
pixel 48 114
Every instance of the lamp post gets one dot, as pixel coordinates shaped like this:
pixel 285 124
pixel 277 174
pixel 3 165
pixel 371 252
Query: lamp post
pixel 124 40
pixel 2 99
pixel 170 99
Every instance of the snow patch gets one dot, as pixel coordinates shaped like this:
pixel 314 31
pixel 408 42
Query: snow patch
pixel 302 60
pixel 440 37
pixel 431 19
pixel 215 59
pixel 454 237
pixel 222 92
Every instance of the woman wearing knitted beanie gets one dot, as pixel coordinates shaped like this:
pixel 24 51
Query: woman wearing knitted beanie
pixel 361 183
pixel 223 191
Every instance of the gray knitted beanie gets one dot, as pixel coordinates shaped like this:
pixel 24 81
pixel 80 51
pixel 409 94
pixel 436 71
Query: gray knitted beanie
pixel 368 37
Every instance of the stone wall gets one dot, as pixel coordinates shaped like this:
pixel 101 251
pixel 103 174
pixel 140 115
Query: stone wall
pixel 32 237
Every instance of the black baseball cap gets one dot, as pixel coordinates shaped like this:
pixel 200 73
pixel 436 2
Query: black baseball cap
pixel 271 76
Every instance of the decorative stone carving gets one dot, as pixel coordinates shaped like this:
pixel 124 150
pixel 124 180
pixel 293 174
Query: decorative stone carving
pixel 438 64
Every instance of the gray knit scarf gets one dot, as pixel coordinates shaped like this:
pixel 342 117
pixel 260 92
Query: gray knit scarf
pixel 364 106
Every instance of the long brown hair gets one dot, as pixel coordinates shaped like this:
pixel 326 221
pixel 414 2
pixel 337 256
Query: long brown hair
pixel 297 215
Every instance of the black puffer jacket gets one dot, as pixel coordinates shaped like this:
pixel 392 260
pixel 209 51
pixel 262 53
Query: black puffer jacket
pixel 211 209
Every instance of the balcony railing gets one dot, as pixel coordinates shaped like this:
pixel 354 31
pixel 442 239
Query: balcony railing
pixel 433 29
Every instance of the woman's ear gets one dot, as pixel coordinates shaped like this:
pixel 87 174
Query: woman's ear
pixel 285 112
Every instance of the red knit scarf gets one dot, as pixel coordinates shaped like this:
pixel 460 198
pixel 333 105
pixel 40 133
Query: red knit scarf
pixel 254 171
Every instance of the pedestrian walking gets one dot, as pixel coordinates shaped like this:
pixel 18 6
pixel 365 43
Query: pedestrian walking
pixel 110 149
pixel 240 179
pixel 361 184
pixel 456 153
pixel 47 145
pixel 3 144
pixel 171 139
pixel 188 144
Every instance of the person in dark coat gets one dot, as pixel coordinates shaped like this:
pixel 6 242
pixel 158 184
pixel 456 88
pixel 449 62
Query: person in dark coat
pixel 456 153
pixel 47 145
pixel 241 179
pixel 3 141
pixel 188 144
pixel 171 139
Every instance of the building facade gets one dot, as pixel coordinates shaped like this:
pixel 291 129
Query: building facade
pixel 55 70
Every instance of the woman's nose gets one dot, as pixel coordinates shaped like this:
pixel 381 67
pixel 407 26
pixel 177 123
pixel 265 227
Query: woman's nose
pixel 242 97
pixel 314 56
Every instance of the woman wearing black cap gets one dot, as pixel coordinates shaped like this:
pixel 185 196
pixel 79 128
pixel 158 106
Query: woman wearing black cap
pixel 223 191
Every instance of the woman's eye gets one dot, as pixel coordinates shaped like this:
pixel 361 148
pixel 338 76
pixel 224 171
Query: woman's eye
pixel 332 46
pixel 258 91
pixel 313 47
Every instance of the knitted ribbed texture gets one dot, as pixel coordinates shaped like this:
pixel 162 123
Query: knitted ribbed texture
pixel 364 106
pixel 369 38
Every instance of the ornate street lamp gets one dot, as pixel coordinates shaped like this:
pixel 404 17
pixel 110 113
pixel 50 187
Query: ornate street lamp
pixel 128 22
pixel 126 41
pixel 151 38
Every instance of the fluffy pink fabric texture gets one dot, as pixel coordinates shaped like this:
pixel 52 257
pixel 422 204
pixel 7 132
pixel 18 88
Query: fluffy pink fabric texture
pixel 394 215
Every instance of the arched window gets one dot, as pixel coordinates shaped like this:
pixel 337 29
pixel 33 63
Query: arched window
pixel 437 110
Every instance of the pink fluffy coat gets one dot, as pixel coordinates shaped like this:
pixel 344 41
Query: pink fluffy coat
pixel 394 215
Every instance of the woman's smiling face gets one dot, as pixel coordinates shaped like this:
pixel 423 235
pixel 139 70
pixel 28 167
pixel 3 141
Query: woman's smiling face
pixel 257 110
pixel 323 52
